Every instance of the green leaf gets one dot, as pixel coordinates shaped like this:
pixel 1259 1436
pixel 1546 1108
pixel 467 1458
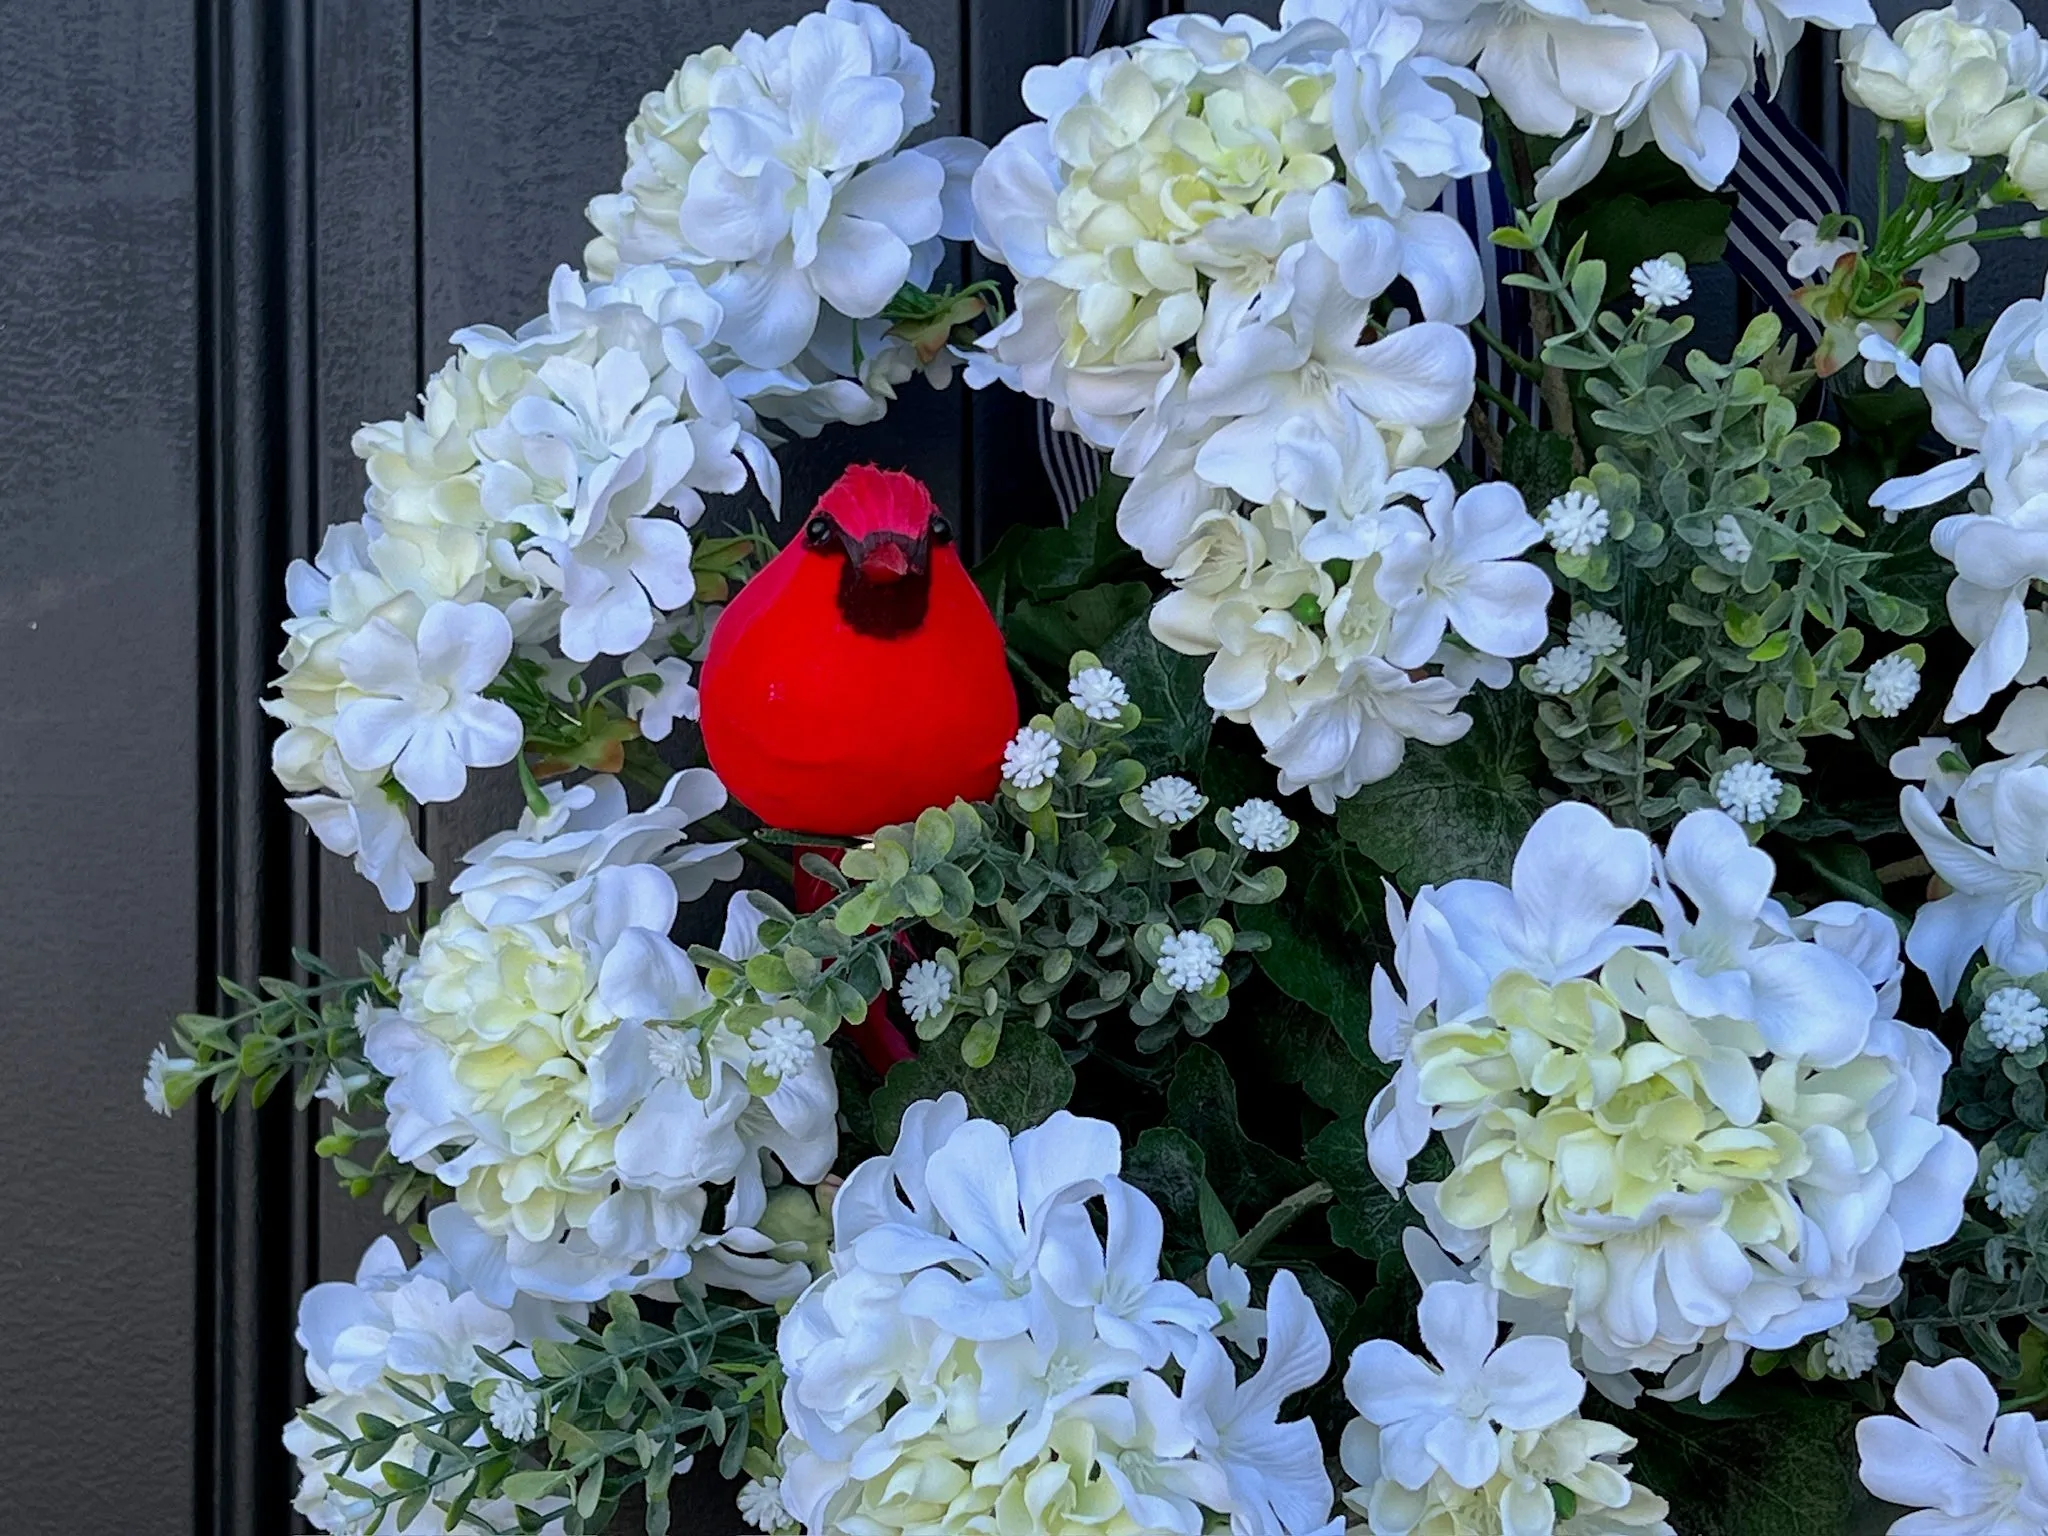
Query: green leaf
pixel 1048 563
pixel 1046 634
pixel 1203 1102
pixel 1785 1470
pixel 1453 812
pixel 1333 1070
pixel 1026 1080
pixel 1626 231
pixel 1168 1166
pixel 1368 1219
pixel 1536 463
pixel 1167 686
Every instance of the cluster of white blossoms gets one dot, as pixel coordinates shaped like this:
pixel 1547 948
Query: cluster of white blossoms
pixel 1997 415
pixel 986 1354
pixel 1488 1438
pixel 1954 1460
pixel 538 503
pixel 776 173
pixel 393 1331
pixel 1680 1143
pixel 1618 75
pixel 1199 227
pixel 543 1065
pixel 1966 82
pixel 1994 860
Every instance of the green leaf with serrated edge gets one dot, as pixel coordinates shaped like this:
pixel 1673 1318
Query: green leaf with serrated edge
pixel 1453 812
pixel 1167 687
pixel 1202 1101
pixel 1026 1080
pixel 1368 1219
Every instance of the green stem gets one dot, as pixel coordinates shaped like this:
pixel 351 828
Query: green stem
pixel 750 846
pixel 1039 685
pixel 1515 412
pixel 1506 353
pixel 1278 1220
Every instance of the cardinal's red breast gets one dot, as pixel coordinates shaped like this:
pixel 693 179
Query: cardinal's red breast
pixel 827 709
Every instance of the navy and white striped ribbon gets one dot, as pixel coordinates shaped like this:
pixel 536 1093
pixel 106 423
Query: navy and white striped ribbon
pixel 1781 176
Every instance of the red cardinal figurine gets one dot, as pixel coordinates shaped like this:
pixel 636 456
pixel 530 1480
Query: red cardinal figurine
pixel 860 677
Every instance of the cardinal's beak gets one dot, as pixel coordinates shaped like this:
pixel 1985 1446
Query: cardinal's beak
pixel 884 561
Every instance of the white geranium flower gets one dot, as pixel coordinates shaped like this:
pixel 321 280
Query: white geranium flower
pixel 1812 254
pixel 1597 634
pixel 2009 1189
pixel 1585 1194
pixel 968 1265
pixel 1562 669
pixel 1032 757
pixel 1098 693
pixel 1996 867
pixel 1891 684
pixel 1462 576
pixel 373 826
pixel 1231 1289
pixel 1351 726
pixel 1260 826
pixel 1923 763
pixel 1661 283
pixel 1189 960
pixel 1575 523
pixel 1171 801
pixel 657 709
pixel 420 711
pixel 2014 1019
pixel 926 988
pixel 1445 1416
pixel 1954 1459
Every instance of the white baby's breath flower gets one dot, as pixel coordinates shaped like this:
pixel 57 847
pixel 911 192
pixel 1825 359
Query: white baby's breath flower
pixel 1850 1348
pixel 1661 283
pixel 1596 633
pixel 515 1410
pixel 926 988
pixel 1729 539
pixel 1189 960
pixel 155 1081
pixel 761 1506
pixel 1575 523
pixel 1749 791
pixel 2009 1189
pixel 395 956
pixel 1098 693
pixel 1260 826
pixel 781 1047
pixel 2014 1019
pixel 1562 669
pixel 677 1054
pixel 1172 801
pixel 1032 757
pixel 1892 683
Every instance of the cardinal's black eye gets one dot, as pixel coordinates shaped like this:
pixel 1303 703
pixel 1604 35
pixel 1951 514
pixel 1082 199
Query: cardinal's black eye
pixel 941 530
pixel 818 532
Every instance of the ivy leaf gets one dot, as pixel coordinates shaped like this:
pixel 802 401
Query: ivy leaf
pixel 1453 812
pixel 1625 231
pixel 1166 1164
pixel 1026 1080
pixel 1536 463
pixel 1167 686
pixel 1307 1049
pixel 1202 1102
pixel 1782 1472
pixel 1047 634
pixel 1368 1219
pixel 1049 563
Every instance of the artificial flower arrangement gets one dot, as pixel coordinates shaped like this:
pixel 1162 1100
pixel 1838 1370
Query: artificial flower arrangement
pixel 1473 997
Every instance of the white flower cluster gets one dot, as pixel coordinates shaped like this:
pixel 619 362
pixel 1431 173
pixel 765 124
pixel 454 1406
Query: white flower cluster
pixel 1994 861
pixel 542 1064
pixel 1617 75
pixel 1998 415
pixel 1954 1460
pixel 775 173
pixel 1967 81
pixel 1680 1143
pixel 1479 1440
pixel 984 1356
pixel 523 507
pixel 415 1330
pixel 1199 227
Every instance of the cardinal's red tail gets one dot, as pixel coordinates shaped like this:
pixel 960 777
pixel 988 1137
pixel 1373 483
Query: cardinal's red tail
pixel 876 1037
